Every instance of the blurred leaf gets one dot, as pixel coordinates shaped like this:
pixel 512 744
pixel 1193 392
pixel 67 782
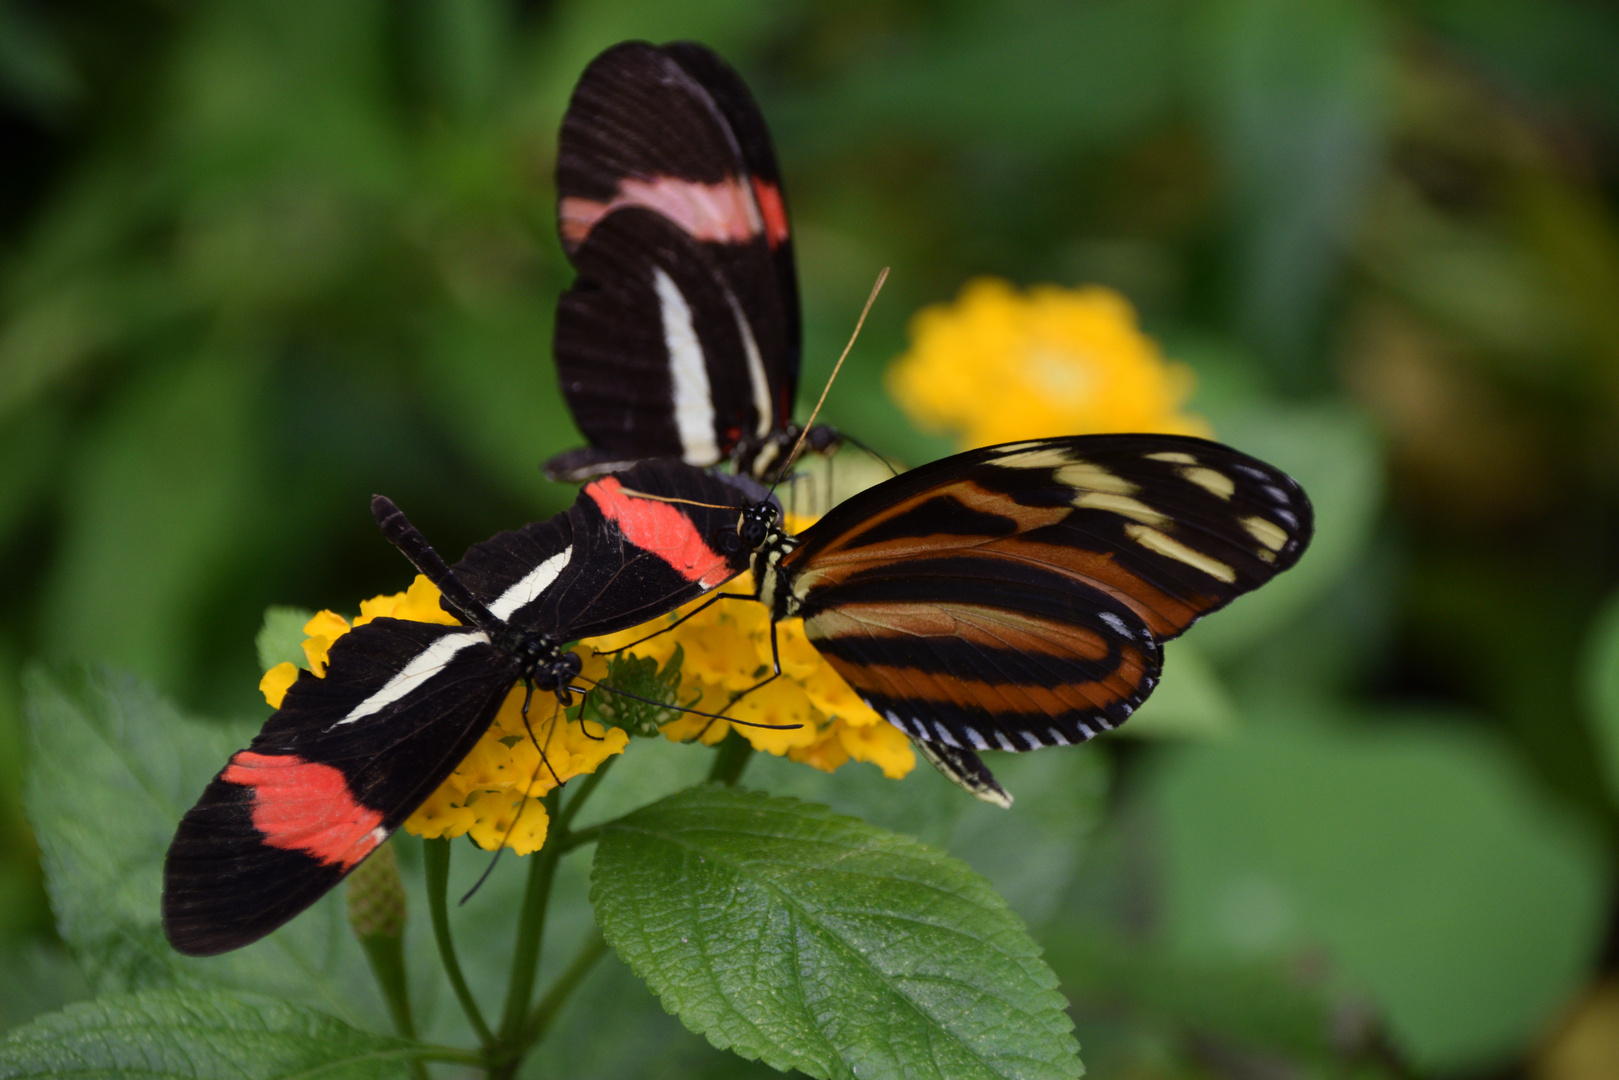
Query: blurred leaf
pixel 1064 75
pixel 1249 1002
pixel 32 445
pixel 37 978
pixel 491 382
pixel 1028 852
pixel 821 943
pixel 1334 454
pixel 1293 90
pixel 1190 702
pixel 112 769
pixel 281 639
pixel 1601 678
pixel 1416 857
pixel 198 1035
pixel 150 513
pixel 35 70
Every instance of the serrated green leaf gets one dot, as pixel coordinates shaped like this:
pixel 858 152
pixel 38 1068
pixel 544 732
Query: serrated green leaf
pixel 281 639
pixel 112 768
pixel 192 1035
pixel 818 942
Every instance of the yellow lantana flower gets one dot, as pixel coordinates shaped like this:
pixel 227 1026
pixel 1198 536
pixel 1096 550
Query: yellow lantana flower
pixel 725 650
pixel 503 779
pixel 999 365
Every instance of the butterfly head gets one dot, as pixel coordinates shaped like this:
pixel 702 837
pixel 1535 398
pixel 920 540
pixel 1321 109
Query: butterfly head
pixel 540 660
pixel 759 531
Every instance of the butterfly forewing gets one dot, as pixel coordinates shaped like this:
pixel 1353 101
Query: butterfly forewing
pixel 332 774
pixel 1017 596
pixel 634 545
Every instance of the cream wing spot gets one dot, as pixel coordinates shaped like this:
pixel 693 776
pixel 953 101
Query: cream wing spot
pixel 1090 477
pixel 1174 457
pixel 1122 505
pixel 1266 532
pixel 1018 456
pixel 1216 483
pixel 1159 544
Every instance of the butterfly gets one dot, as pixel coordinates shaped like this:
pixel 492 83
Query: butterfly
pixel 680 337
pixel 1019 596
pixel 348 757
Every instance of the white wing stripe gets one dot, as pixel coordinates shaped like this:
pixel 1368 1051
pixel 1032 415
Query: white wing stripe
pixel 535 582
pixel 688 374
pixel 423 666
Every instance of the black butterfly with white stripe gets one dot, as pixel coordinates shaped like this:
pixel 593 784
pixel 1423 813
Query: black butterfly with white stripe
pixel 348 757
pixel 680 336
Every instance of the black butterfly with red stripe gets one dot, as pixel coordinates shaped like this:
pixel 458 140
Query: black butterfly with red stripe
pixel 1019 596
pixel 348 757
pixel 681 335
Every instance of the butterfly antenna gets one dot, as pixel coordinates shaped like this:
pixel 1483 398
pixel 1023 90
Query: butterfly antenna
pixel 799 445
pixel 858 445
pixel 522 803
pixel 672 499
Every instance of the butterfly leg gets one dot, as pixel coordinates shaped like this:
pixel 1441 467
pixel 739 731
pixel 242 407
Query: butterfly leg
pixel 699 608
pixel 775 664
pixel 522 803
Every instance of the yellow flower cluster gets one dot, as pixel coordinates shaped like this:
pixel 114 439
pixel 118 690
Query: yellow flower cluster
pixel 503 779
pixel 726 650
pixel 998 365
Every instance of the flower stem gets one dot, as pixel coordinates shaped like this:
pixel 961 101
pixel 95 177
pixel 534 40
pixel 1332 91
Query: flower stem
pixel 594 948
pixel 437 859
pixel 734 754
pixel 530 936
pixel 386 953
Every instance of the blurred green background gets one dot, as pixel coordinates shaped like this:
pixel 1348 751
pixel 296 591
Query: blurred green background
pixel 264 258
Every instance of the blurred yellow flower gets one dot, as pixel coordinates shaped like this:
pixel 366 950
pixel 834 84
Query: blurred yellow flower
pixel 486 792
pixel 998 365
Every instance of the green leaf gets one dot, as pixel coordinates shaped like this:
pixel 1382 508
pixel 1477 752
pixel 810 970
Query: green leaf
pixel 192 1035
pixel 817 942
pixel 1189 703
pixel 112 768
pixel 1334 454
pixel 281 638
pixel 1414 859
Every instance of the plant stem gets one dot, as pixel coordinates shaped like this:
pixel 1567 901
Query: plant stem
pixel 437 860
pixel 594 948
pixel 386 953
pixel 734 754
pixel 530 935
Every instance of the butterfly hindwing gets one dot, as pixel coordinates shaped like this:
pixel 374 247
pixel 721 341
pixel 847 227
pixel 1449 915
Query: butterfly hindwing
pixel 1017 596
pixel 344 761
pixel 654 350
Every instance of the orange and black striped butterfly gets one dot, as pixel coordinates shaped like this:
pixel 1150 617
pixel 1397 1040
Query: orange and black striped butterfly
pixel 1019 596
